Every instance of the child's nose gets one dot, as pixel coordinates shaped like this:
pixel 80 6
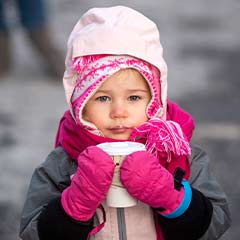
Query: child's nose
pixel 118 111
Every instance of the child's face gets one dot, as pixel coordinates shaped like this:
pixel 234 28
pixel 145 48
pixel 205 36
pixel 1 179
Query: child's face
pixel 119 105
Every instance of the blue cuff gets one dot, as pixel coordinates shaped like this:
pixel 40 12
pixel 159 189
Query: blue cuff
pixel 185 202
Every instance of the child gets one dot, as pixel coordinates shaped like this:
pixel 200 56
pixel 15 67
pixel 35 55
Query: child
pixel 116 86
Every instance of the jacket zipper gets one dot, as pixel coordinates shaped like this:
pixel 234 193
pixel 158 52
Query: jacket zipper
pixel 121 224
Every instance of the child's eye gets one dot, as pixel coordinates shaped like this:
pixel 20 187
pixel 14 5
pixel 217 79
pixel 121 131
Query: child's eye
pixel 134 98
pixel 103 98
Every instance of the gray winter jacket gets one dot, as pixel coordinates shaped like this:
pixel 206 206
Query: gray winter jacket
pixel 53 176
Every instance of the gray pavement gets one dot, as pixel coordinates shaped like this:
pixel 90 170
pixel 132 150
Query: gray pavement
pixel 202 48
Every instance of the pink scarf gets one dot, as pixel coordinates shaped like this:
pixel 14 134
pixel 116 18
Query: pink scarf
pixel 74 139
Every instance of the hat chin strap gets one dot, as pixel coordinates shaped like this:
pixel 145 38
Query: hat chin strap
pixel 89 126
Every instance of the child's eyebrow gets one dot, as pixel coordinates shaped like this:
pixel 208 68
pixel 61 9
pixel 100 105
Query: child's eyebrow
pixel 138 90
pixel 128 90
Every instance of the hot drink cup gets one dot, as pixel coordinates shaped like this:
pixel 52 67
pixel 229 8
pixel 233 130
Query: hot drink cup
pixel 118 196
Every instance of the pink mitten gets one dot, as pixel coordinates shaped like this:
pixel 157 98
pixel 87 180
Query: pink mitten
pixel 89 185
pixel 145 179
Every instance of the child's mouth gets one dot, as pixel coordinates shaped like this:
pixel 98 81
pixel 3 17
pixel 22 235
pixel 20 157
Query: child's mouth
pixel 119 129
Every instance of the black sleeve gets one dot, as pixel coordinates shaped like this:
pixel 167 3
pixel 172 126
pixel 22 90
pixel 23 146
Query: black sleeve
pixel 54 223
pixel 192 224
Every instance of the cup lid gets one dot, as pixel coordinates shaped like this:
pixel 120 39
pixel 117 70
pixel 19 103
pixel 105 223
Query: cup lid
pixel 121 148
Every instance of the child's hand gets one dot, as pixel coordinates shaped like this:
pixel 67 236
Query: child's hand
pixel 146 180
pixel 89 185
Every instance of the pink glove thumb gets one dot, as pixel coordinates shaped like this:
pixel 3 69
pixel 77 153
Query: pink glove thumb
pixel 145 179
pixel 89 185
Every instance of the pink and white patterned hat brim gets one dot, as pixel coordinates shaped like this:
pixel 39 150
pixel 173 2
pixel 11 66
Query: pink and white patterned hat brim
pixel 93 70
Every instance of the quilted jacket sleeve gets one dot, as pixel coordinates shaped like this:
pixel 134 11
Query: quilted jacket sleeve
pixel 47 183
pixel 207 216
pixel 202 179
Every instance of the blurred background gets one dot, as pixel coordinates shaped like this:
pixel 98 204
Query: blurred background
pixel 201 41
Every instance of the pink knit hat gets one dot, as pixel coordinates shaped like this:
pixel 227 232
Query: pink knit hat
pixel 93 70
pixel 106 40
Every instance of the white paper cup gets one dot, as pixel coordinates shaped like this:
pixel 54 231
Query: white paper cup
pixel 118 196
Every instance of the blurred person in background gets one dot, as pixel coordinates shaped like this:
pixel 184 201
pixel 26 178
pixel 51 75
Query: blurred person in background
pixel 32 14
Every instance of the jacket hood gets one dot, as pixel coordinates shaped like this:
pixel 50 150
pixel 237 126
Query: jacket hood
pixel 117 30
